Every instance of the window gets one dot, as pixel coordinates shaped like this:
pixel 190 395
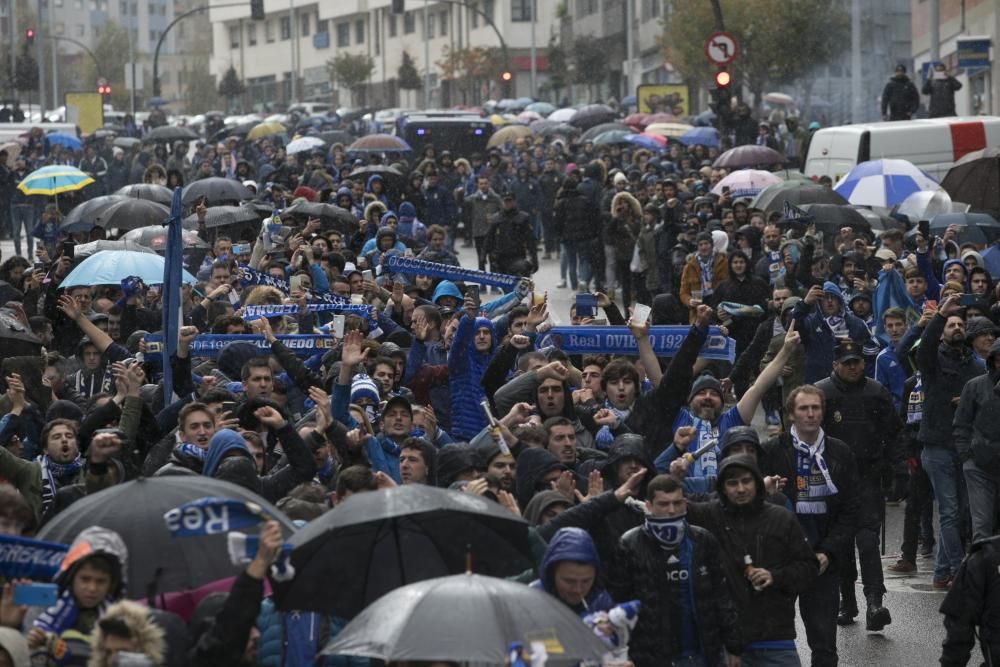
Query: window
pixel 57 3
pixel 122 8
pixel 60 28
pixel 444 24
pixel 392 25
pixel 359 31
pixel 430 26
pixel 234 37
pixel 488 8
pixel 153 36
pixel 93 5
pixel 409 23
pixel 304 24
pixel 343 34
pixel 81 30
pixel 269 30
pixel 586 7
pixel 474 13
pixel 320 25
pixel 520 10
pixel 133 9
pixel 286 27
pixel 251 33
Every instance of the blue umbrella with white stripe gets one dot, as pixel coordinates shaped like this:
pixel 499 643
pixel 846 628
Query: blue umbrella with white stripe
pixel 883 183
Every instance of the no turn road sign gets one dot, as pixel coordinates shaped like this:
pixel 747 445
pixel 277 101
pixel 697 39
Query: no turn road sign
pixel 721 48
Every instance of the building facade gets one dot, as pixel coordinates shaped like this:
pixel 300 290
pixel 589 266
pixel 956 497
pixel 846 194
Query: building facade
pixel 961 20
pixel 284 57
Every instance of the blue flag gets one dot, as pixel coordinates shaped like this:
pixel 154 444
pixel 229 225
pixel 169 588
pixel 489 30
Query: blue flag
pixel 33 559
pixel 173 268
pixel 891 293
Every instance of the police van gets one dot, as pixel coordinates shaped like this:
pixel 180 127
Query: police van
pixel 933 144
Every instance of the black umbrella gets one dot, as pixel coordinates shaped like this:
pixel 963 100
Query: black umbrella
pixel 593 114
pixel 975 180
pixel 135 511
pixel 167 133
pixel 132 214
pixel 148 191
pixel 13 329
pixel 330 215
pixel 83 216
pixel 126 143
pixel 155 238
pixel 555 128
pixel 829 218
pixel 598 130
pixel 977 228
pixel 216 190
pixel 380 540
pixel 745 157
pixel 466 618
pixel 773 197
pixel 241 130
pixel 332 137
pixel 220 216
pixel 392 177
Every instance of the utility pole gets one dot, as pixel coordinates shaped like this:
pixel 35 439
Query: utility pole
pixel 857 111
pixel 13 40
pixel 934 7
pixel 40 56
pixel 427 56
pixel 629 47
pixel 534 68
pixel 293 92
pixel 131 64
pixel 55 62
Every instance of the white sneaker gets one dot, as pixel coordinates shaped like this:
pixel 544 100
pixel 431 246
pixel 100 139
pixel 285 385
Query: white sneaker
pixel 562 283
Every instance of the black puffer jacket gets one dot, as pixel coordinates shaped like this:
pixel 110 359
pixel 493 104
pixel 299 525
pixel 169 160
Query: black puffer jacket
pixel 973 603
pixel 977 429
pixel 576 218
pixel 900 98
pixel 641 570
pixel 864 416
pixel 771 536
pixel 779 458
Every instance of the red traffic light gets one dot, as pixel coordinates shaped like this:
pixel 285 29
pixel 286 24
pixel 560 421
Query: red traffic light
pixel 723 78
pixel 29 34
pixel 104 89
pixel 506 76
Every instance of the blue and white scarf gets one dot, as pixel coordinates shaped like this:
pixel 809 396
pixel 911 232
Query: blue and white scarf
pixel 62 616
pixel 605 437
pixel 55 475
pixel 915 405
pixel 813 483
pixel 706 265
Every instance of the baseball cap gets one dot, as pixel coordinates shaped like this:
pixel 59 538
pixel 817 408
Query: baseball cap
pixel 847 350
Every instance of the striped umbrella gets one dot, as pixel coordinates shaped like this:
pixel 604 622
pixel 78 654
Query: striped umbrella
pixel 883 183
pixel 54 180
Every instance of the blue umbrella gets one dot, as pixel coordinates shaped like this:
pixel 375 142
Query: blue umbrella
pixel 705 118
pixel 110 267
pixel 65 140
pixel 705 136
pixel 883 183
pixel 629 101
pixel 642 141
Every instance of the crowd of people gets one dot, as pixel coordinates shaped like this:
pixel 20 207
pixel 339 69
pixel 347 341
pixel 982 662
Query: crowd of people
pixel 644 477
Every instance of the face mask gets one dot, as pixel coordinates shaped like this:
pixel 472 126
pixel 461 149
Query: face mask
pixel 668 532
pixel 371 414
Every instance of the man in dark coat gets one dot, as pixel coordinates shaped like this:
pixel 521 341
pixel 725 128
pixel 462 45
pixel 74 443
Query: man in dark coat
pixel 765 557
pixel 899 97
pixel 674 570
pixel 974 603
pixel 821 490
pixel 941 87
pixel 861 412
pixel 510 240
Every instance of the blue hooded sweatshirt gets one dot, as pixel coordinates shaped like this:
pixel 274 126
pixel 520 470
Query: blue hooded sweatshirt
pixel 465 370
pixel 380 196
pixel 446 288
pixel 819 339
pixel 573 544
pixel 222 442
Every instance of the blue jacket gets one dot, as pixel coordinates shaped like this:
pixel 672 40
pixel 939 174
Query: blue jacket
pixel 382 453
pixel 381 196
pixel 294 639
pixel 818 338
pixel 573 544
pixel 889 373
pixel 465 370
pixel 439 206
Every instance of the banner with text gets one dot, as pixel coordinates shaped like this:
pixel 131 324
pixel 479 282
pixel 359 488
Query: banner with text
pixel 666 340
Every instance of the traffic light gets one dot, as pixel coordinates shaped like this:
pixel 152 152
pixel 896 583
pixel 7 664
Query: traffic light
pixel 29 36
pixel 723 79
pixel 104 88
pixel 506 77
pixel 257 10
pixel 398 6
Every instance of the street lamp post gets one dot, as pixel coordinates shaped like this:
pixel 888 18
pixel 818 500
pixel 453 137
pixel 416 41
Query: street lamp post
pixel 163 35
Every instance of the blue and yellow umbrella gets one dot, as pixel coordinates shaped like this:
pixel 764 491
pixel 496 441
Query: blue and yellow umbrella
pixel 54 180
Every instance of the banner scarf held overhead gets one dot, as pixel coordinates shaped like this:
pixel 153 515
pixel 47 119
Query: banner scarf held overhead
pixel 278 310
pixel 249 276
pixel 28 558
pixel 422 267
pixel 666 340
pixel 209 345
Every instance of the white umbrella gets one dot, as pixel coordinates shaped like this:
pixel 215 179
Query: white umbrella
pixel 778 98
pixel 562 115
pixel 746 182
pixel 304 144
pixel 926 204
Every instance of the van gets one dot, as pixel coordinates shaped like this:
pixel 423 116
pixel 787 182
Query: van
pixel 932 144
pixel 463 133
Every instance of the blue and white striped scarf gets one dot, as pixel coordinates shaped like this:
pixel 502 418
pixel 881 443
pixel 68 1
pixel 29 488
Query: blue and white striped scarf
pixel 813 487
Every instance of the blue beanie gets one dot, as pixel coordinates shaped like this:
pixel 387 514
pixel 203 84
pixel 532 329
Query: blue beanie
pixel 407 210
pixel 363 386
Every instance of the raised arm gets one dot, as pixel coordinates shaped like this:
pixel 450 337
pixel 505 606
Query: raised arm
pixel 748 403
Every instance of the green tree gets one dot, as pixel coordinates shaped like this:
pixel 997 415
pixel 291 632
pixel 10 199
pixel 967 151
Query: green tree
pixel 26 71
pixel 407 74
pixel 352 72
pixel 200 92
pixel 780 41
pixel 590 63
pixel 231 86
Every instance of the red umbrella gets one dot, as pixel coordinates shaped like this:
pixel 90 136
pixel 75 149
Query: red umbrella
pixel 655 137
pixel 743 157
pixel 377 143
pixel 637 120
